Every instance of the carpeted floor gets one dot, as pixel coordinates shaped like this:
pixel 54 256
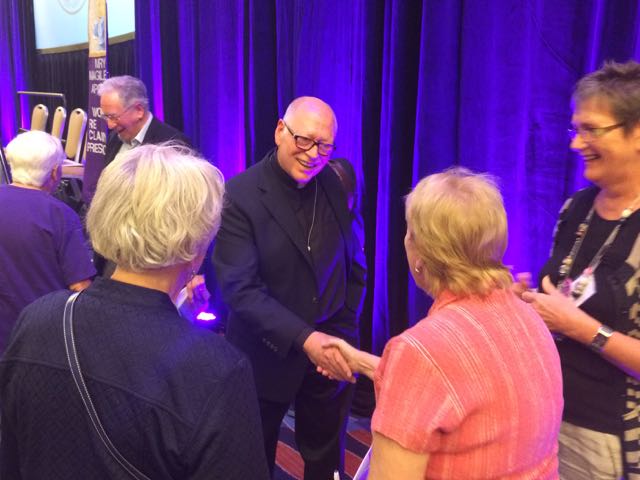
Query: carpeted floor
pixel 289 464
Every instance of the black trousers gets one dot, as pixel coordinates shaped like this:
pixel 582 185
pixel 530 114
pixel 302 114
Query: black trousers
pixel 321 413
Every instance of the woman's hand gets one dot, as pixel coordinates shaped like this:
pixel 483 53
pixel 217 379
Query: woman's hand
pixel 560 314
pixel 337 347
pixel 328 361
pixel 522 283
pixel 357 360
pixel 349 353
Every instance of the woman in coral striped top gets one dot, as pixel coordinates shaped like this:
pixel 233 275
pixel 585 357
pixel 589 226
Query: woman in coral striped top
pixel 474 390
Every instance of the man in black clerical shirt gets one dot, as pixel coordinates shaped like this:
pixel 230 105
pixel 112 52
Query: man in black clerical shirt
pixel 285 258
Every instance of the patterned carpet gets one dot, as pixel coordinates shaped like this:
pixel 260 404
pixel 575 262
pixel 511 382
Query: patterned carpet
pixel 289 464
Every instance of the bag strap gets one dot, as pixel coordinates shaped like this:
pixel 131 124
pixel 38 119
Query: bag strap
pixel 363 469
pixel 76 372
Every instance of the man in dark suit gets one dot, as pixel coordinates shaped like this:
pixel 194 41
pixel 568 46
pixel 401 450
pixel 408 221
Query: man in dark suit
pixel 125 108
pixel 285 259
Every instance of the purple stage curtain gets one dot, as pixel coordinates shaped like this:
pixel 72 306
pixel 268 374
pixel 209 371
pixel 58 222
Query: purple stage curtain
pixel 14 44
pixel 417 86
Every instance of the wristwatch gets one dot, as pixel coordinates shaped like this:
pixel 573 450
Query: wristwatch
pixel 600 338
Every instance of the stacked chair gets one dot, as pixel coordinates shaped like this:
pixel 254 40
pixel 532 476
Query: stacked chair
pixel 39 117
pixel 75 134
pixel 59 121
pixel 70 189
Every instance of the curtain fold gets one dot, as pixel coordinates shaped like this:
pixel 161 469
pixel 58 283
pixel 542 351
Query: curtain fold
pixel 17 46
pixel 148 51
pixel 400 62
pixel 417 87
pixel 212 52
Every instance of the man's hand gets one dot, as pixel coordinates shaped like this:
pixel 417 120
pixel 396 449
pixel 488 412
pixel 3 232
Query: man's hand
pixel 197 293
pixel 349 353
pixel 357 360
pixel 328 359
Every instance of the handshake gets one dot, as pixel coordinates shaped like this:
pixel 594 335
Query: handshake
pixel 336 359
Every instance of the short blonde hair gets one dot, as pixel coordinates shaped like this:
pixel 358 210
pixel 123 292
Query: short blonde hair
pixel 32 156
pixel 458 226
pixel 155 206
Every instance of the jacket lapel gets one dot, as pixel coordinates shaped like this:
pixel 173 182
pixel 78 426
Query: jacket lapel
pixel 276 202
pixel 152 132
pixel 113 146
pixel 274 199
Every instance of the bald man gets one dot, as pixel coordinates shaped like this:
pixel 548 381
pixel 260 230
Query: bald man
pixel 284 258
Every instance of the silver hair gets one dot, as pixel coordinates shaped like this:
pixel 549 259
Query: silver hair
pixel 131 90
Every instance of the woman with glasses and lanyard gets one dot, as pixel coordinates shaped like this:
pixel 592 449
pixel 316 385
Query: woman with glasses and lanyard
pixel 589 294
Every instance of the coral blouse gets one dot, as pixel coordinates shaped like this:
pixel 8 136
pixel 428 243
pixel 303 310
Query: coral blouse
pixel 477 386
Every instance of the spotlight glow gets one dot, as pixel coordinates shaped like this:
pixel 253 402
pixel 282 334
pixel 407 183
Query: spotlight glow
pixel 206 317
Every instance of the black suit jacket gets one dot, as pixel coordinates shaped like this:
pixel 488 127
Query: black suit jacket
pixel 268 281
pixel 158 132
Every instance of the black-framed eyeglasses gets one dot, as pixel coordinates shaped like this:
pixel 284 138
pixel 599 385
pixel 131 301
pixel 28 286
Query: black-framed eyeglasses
pixel 589 134
pixel 113 117
pixel 306 143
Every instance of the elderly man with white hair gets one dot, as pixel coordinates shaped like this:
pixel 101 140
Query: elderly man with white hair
pixel 42 246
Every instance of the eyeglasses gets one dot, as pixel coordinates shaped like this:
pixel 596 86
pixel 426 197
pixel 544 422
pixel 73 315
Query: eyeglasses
pixel 589 134
pixel 113 117
pixel 306 144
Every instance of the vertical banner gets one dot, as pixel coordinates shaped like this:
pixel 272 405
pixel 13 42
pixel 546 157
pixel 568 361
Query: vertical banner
pixel 96 126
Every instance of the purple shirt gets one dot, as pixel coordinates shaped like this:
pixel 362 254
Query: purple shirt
pixel 42 249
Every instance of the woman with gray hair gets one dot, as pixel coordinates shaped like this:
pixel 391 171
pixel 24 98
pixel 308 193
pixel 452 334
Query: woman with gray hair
pixel 474 389
pixel 590 285
pixel 150 395
pixel 42 246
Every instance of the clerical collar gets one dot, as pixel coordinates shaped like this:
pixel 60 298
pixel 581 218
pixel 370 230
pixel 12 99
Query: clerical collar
pixel 282 175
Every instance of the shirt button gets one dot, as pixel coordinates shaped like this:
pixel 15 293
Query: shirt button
pixel 314 299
